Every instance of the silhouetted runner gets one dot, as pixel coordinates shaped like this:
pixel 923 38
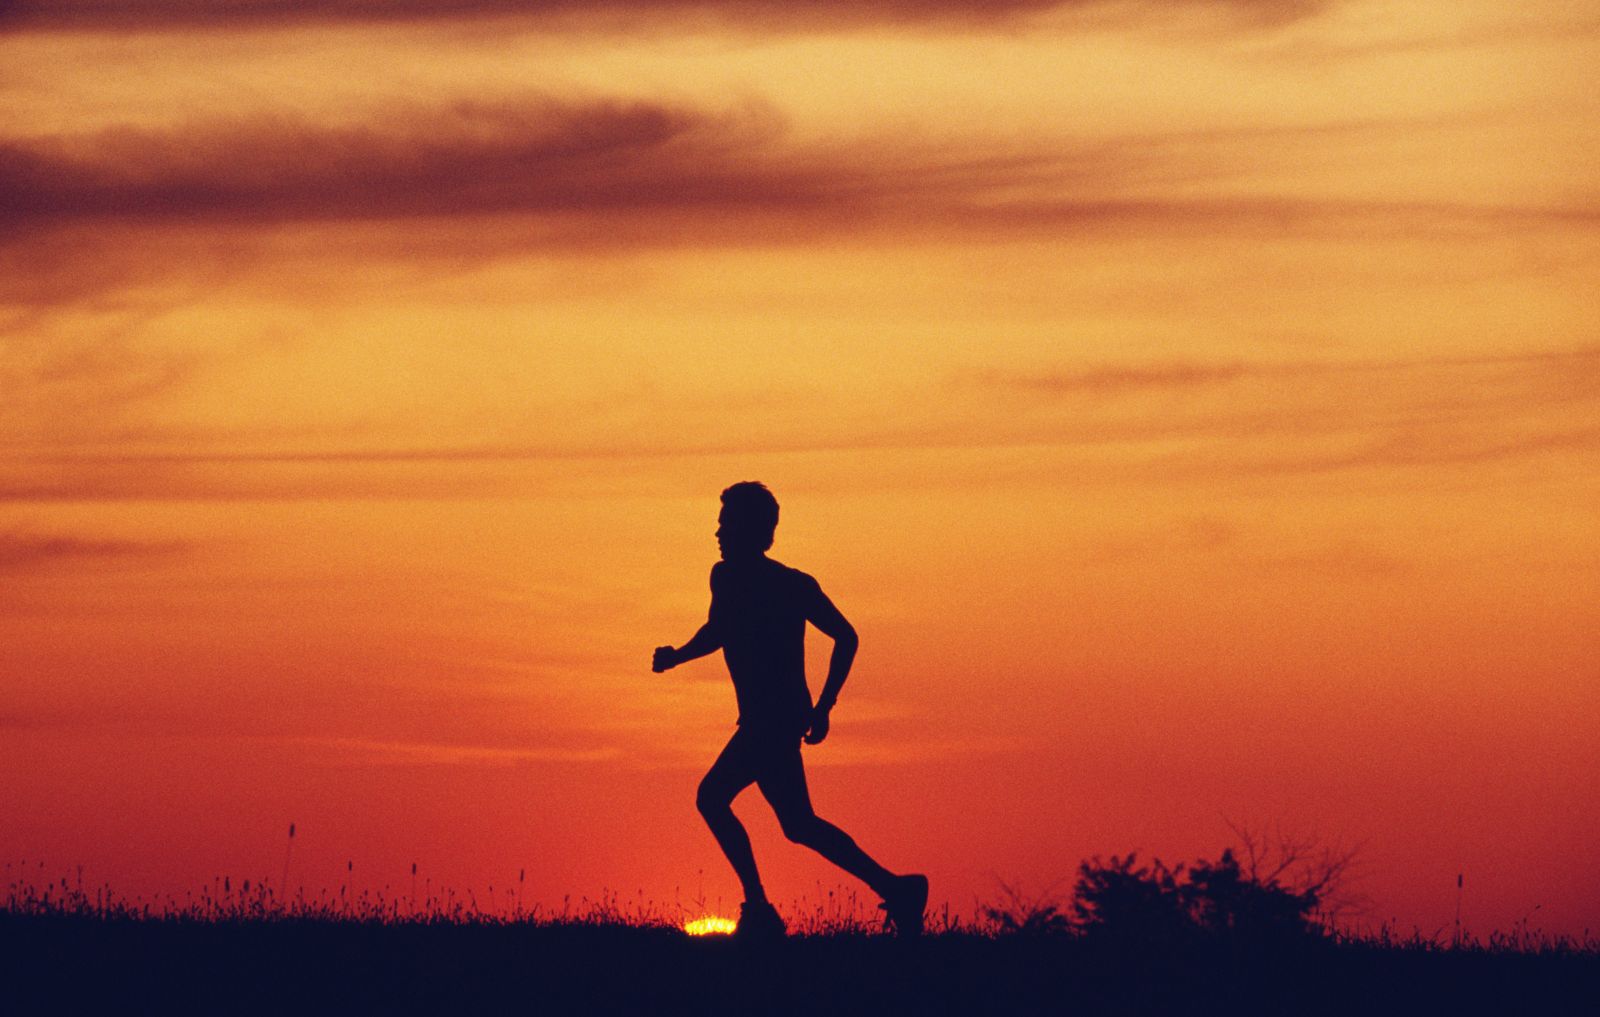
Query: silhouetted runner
pixel 759 610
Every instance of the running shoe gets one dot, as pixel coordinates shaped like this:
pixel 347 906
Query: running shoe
pixel 904 904
pixel 759 922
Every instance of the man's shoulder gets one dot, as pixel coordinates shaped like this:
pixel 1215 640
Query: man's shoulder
pixel 803 578
pixel 800 580
pixel 764 572
pixel 776 567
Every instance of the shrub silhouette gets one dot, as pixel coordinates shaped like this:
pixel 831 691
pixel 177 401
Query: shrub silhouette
pixel 1122 900
pixel 1021 915
pixel 1223 901
pixel 1154 903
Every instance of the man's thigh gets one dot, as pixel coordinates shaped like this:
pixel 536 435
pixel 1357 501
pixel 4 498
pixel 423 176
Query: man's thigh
pixel 737 766
pixel 782 779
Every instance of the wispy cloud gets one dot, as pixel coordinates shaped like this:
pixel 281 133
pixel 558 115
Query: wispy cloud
pixel 43 720
pixel 62 387
pixel 463 159
pixel 556 157
pixel 1551 366
pixel 378 752
pixel 1325 416
pixel 1123 378
pixel 614 14
pixel 1173 420
pixel 482 179
pixel 27 552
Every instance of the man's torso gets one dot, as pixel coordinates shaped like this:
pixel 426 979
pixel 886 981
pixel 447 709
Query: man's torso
pixel 759 608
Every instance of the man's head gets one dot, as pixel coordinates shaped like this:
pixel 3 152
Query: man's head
pixel 747 521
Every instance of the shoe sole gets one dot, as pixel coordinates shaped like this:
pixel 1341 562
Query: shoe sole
pixel 761 930
pixel 916 903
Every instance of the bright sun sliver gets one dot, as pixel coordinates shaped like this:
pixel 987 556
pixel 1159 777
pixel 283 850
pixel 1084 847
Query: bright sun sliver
pixel 711 926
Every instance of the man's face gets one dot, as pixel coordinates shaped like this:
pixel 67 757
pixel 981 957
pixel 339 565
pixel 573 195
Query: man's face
pixel 733 535
pixel 722 533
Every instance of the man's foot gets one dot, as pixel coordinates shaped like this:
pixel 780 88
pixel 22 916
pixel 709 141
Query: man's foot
pixel 759 922
pixel 904 904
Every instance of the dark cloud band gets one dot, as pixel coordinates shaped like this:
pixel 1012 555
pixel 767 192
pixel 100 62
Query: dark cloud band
pixel 645 165
pixel 613 14
pixel 466 159
pixel 20 552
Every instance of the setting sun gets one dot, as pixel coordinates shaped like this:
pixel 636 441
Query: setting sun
pixel 711 926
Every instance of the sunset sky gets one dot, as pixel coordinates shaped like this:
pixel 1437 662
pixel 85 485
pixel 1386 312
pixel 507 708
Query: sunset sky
pixel 1194 405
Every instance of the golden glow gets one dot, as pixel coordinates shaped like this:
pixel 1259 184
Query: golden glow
pixel 710 926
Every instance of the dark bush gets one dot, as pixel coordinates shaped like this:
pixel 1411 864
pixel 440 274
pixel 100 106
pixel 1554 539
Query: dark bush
pixel 1158 904
pixel 1223 901
pixel 1123 900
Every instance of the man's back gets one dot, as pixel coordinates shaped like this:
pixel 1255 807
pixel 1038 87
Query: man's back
pixel 759 609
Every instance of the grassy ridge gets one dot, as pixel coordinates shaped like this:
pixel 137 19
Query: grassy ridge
pixel 60 962
pixel 1136 938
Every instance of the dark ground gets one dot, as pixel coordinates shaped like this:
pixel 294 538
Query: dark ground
pixel 64 963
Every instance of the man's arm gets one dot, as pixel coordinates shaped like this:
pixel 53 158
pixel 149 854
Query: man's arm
pixel 701 643
pixel 707 640
pixel 832 623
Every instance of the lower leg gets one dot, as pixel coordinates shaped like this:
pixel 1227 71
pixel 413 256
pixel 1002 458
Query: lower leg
pixel 841 849
pixel 734 770
pixel 735 843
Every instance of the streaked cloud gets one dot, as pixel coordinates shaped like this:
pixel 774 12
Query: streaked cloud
pixel 63 387
pixel 374 752
pixel 550 156
pixel 1325 416
pixel 480 180
pixel 22 551
pixel 1551 366
pixel 1126 378
pixel 79 14
pixel 628 158
pixel 462 159
pixel 1228 418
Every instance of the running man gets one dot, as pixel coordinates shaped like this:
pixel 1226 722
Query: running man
pixel 759 610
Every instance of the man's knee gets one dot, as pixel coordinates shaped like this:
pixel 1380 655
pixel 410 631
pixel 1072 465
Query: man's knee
pixel 712 802
pixel 801 828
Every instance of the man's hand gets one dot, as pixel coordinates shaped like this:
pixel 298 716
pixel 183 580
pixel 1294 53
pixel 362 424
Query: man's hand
pixel 819 725
pixel 666 658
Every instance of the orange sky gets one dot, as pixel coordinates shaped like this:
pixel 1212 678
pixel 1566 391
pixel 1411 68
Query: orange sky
pixel 1193 405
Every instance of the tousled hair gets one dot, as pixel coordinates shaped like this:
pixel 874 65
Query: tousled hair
pixel 755 508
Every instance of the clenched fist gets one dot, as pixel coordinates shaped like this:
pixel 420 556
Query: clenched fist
pixel 818 728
